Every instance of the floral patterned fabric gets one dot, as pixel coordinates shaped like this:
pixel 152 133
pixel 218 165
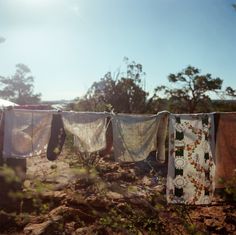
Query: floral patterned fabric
pixel 191 167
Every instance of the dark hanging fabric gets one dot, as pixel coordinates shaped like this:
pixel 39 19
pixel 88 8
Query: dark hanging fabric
pixel 216 123
pixel 57 137
pixel 225 148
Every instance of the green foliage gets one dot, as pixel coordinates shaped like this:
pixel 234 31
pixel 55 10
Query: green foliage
pixel 224 105
pixel 8 174
pixel 122 92
pixel 191 93
pixel 131 221
pixel 230 188
pixel 230 92
pixel 19 87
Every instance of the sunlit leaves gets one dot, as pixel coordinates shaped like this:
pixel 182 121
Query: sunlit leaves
pixel 19 87
pixel 191 90
pixel 121 92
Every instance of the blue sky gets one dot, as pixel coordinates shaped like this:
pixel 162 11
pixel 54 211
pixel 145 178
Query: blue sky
pixel 69 44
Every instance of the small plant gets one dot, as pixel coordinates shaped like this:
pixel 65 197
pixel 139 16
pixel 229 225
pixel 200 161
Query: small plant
pixel 230 188
pixel 8 174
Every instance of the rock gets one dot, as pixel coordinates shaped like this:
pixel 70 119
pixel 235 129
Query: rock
pixel 146 181
pixel 70 227
pixel 136 191
pixel 231 228
pixel 84 231
pixel 37 229
pixel 113 176
pixel 214 222
pixel 158 188
pixel 231 218
pixel 128 176
pixel 98 203
pixel 71 213
pixel 58 196
pixel 114 195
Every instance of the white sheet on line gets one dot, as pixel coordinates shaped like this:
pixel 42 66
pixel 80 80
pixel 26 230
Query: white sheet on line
pixel 135 136
pixel 88 128
pixel 26 133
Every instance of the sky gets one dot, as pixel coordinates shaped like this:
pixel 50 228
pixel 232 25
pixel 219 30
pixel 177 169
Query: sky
pixel 69 44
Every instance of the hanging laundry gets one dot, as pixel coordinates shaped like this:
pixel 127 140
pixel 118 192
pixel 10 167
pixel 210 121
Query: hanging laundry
pixel 191 167
pixel 88 128
pixel 1 135
pixel 225 147
pixel 26 133
pixel 161 136
pixel 109 139
pixel 57 137
pixel 135 136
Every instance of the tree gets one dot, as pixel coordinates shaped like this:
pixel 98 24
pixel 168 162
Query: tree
pixel 192 91
pixel 122 92
pixel 229 91
pixel 19 87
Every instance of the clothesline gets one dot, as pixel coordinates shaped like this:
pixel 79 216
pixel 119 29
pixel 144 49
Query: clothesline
pixel 201 146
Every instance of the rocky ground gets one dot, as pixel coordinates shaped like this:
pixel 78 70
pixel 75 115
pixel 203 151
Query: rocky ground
pixel 99 196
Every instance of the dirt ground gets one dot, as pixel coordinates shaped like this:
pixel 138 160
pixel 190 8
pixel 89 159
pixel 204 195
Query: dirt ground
pixel 99 196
